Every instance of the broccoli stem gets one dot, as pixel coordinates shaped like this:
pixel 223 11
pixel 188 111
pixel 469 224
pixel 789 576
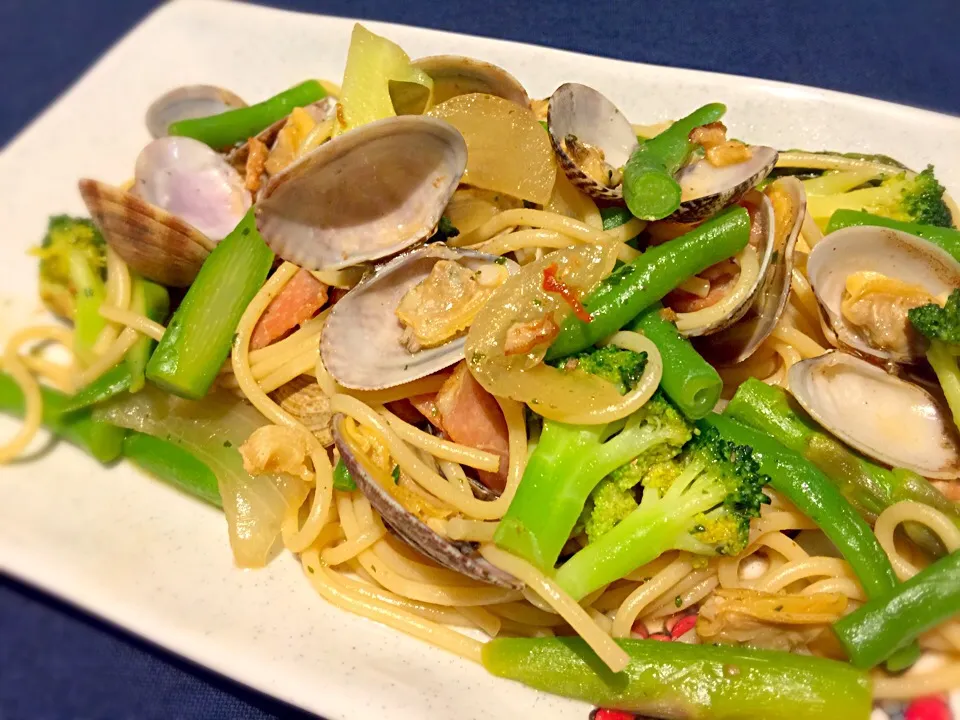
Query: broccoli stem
pixel 944 364
pixel 946 239
pixel 234 126
pixel 198 338
pixel 690 381
pixel 649 188
pixel 90 293
pixel 102 440
pixel 701 682
pixel 645 534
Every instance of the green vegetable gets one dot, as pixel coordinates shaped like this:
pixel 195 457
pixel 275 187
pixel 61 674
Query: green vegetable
pixel 113 382
pixel 103 441
pixel 569 462
pixel 869 487
pixel 649 187
pixel 152 300
pixel 946 238
pixel 71 246
pixel 445 230
pixel 885 624
pixel 700 501
pixel 198 338
pixel 169 462
pixel 342 479
pixel 917 199
pixel 688 380
pixel 942 326
pixel 619 366
pixel 615 216
pixel 699 682
pixel 819 499
pixel 632 288
pixel 235 126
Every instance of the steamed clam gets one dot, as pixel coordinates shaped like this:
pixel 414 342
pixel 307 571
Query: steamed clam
pixel 365 195
pixel 707 188
pixel 184 200
pixel 592 139
pixel 739 341
pixel 734 288
pixel 375 483
pixel 867 279
pixel 456 75
pixel 407 320
pixel 886 418
pixel 188 102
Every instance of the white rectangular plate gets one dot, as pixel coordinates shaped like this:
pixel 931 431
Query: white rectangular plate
pixel 142 555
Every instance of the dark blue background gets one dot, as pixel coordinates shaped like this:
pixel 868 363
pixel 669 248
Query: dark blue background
pixel 58 663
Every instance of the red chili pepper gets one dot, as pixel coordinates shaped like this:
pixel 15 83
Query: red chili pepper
pixel 928 708
pixel 553 284
pixel 683 626
pixel 605 714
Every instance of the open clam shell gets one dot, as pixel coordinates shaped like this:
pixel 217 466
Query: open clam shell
pixel 581 116
pixel 188 102
pixel 461 557
pixel 763 239
pixel 361 343
pixel 156 244
pixel 319 111
pixel 890 420
pixel 457 75
pixel 890 253
pixel 739 341
pixel 707 189
pixel 366 194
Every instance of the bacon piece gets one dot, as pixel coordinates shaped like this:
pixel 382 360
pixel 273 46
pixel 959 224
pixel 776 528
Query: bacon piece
pixel 299 301
pixel 470 415
pixel 522 337
pixel 256 160
pixel 426 404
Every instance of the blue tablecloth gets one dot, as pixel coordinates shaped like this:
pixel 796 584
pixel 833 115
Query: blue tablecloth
pixel 58 663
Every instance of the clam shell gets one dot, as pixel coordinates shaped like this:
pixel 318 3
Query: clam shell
pixel 306 401
pixel 366 194
pixel 187 102
pixel 457 75
pixel 766 221
pixel 581 111
pixel 889 252
pixel 706 189
pixel 888 419
pixel 320 111
pixel 154 243
pixel 739 341
pixel 461 557
pixel 360 345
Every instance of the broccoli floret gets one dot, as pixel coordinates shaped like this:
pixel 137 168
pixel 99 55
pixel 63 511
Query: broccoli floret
pixel 570 461
pixel 622 367
pixel 607 505
pixel 917 199
pixel 702 504
pixel 73 257
pixel 941 325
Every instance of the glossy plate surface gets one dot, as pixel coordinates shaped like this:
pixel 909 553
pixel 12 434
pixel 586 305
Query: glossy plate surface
pixel 145 557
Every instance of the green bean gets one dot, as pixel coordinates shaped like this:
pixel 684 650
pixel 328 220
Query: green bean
pixel 649 188
pixel 169 462
pixel 947 239
pixel 152 300
pixel 887 623
pixel 677 680
pixel 228 128
pixel 688 380
pixel 102 440
pixel 113 382
pixel 632 288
